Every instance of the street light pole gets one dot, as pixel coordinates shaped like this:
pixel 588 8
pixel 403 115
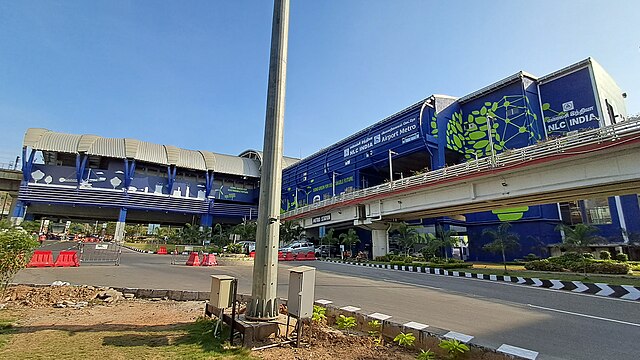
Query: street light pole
pixel 490 135
pixel 264 304
pixel 334 182
pixel 391 152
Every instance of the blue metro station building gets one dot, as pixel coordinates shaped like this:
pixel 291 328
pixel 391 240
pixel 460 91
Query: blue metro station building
pixel 86 176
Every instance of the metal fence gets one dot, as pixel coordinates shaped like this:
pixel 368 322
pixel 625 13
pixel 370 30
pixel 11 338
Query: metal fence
pixel 100 253
pixel 614 134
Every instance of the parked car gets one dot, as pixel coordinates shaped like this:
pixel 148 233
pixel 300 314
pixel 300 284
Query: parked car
pixel 323 251
pixel 297 247
pixel 247 246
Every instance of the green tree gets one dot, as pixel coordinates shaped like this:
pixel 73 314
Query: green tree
pixel 579 237
pixel 16 246
pixel 76 229
pixel 220 236
pixel 166 235
pixel 246 230
pixel 290 231
pixel 191 234
pixel 406 236
pixel 446 239
pixel 349 239
pixel 329 239
pixel 503 242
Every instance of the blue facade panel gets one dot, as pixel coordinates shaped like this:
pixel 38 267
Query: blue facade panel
pixel 569 103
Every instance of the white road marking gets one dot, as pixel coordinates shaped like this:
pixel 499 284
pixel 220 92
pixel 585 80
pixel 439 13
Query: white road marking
pixel 606 290
pixel 584 315
pixel 557 284
pixel 580 287
pixel 536 282
pixel 634 294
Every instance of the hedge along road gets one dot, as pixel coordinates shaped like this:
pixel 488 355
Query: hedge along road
pixel 558 324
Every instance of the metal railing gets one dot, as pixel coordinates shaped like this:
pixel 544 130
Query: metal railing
pixel 613 133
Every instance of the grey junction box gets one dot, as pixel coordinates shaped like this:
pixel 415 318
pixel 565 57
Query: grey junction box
pixel 302 283
pixel 221 291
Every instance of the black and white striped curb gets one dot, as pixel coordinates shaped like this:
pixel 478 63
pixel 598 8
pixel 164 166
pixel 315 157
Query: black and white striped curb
pixel 626 292
pixel 390 329
pixel 138 250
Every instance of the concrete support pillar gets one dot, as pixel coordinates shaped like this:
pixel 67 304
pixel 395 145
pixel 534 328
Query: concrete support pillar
pixel 380 242
pixel 379 236
pixel 120 225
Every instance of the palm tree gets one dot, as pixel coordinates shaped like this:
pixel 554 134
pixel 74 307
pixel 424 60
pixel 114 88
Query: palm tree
pixel 246 230
pixel 503 242
pixel 579 237
pixel 329 239
pixel 349 239
pixel 406 236
pixel 289 231
pixel 446 239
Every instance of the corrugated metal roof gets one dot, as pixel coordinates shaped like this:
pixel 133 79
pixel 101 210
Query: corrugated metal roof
pixel 191 159
pixel 85 142
pixel 108 147
pixel 255 154
pixel 152 153
pixel 47 140
pixel 209 159
pixel 173 154
pixel 237 166
pixel 59 142
pixel 496 85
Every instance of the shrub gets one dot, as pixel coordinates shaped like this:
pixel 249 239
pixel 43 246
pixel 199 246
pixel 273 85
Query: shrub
pixel 426 355
pixel 319 313
pixel 453 347
pixel 383 258
pixel 405 340
pixel 346 323
pixel 450 266
pixel 408 260
pixel 455 261
pixel 605 255
pixel 608 267
pixel 531 257
pixel 622 257
pixel 587 255
pixel 395 262
pixel 235 248
pixel 16 246
pixel 543 265
pixel 375 326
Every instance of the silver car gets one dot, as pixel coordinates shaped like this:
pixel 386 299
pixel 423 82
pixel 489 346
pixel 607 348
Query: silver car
pixel 298 247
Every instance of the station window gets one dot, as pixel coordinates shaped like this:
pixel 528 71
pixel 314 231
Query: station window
pixel 597 211
pixel 571 213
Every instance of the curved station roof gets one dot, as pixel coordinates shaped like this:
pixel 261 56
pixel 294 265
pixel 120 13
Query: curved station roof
pixel 47 140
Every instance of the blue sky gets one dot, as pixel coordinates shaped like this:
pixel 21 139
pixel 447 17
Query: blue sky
pixel 194 74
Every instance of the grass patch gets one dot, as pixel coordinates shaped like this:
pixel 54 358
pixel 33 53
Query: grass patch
pixel 6 329
pixel 190 341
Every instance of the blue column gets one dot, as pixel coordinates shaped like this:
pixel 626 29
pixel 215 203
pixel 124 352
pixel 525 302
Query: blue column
pixel 206 220
pixel 208 183
pixel 122 217
pixel 171 173
pixel 129 171
pixel 27 165
pixel 18 212
pixel 81 164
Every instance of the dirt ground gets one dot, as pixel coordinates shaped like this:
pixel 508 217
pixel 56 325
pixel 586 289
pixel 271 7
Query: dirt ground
pixel 33 309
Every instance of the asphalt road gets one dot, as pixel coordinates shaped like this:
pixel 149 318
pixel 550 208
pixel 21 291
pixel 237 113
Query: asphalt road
pixel 558 324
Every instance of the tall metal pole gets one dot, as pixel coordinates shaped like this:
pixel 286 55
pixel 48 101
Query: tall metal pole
pixel 264 304
pixel 490 135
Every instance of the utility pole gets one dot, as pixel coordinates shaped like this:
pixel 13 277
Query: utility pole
pixel 264 304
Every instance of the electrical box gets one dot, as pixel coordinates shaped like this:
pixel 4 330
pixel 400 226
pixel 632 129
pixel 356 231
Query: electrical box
pixel 221 291
pixel 302 283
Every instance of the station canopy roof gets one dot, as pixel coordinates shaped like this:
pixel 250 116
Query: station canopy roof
pixel 47 140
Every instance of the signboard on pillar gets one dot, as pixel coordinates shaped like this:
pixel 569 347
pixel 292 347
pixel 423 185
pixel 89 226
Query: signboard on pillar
pixel 322 231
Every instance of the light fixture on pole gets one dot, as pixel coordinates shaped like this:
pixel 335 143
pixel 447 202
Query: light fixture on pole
pixel 391 152
pixel 334 182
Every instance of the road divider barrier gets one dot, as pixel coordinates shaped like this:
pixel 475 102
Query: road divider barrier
pixel 194 259
pixel 67 259
pixel 209 260
pixel 41 258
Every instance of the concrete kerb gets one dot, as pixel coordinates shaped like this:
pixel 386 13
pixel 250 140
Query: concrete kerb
pixel 626 292
pixel 426 338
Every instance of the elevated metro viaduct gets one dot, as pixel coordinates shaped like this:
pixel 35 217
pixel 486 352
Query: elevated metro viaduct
pixel 441 132
pixel 68 176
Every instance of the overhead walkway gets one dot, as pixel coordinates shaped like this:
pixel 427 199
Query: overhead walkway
pixel 596 163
